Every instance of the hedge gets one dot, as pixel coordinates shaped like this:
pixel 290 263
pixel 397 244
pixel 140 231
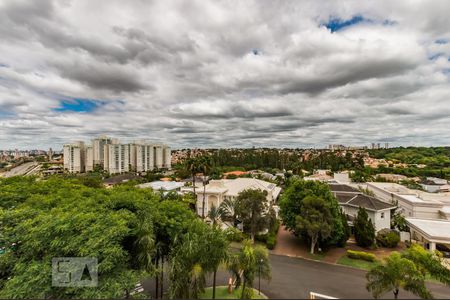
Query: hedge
pixel 361 255
pixel 387 238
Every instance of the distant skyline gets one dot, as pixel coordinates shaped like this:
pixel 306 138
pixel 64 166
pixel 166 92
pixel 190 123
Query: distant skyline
pixel 216 74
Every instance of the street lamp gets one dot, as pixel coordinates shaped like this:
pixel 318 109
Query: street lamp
pixel 259 277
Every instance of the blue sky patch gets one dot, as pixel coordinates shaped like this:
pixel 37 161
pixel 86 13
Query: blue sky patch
pixel 79 105
pixel 434 56
pixel 441 41
pixel 336 24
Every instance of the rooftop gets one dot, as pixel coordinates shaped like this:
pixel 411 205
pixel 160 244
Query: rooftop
pixel 161 185
pixel 439 229
pixel 342 188
pixel 362 200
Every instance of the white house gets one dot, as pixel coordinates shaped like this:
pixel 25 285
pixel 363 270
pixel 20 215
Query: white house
pixel 431 234
pixel 351 199
pixel 414 203
pixel 219 190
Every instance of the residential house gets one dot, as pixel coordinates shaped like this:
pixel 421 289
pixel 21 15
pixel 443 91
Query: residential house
pixel 218 190
pixel 351 199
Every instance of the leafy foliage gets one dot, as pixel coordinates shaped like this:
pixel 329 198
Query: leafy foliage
pixel 315 219
pixel 251 207
pixel 291 207
pixel 394 274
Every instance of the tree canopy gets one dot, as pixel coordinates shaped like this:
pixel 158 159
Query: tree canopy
pixel 291 207
pixel 251 208
pixel 43 219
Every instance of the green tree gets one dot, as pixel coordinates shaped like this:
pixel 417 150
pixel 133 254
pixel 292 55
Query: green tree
pixel 428 263
pixel 364 229
pixel 196 253
pixel 315 219
pixel 214 215
pixel 63 218
pixel 394 274
pixel 246 264
pixel 217 253
pixel 251 206
pixel 228 210
pixel 291 203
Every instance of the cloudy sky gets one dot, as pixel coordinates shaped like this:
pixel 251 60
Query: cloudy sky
pixel 225 73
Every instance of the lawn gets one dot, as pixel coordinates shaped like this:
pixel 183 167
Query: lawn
pixel 222 293
pixel 316 256
pixel 356 263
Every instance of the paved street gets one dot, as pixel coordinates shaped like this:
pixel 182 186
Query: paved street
pixel 296 277
pixel 20 170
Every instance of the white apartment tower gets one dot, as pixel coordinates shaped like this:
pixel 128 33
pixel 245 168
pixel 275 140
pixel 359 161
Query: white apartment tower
pixel 89 161
pixel 167 157
pixel 74 157
pixel 117 158
pixel 159 156
pixel 140 156
pixel 98 146
pixel 145 157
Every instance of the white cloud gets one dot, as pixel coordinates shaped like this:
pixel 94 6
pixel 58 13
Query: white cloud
pixel 225 73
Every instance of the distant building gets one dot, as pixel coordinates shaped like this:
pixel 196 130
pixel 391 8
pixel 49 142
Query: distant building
pixel 89 163
pixel 74 157
pixel 98 146
pixel 116 157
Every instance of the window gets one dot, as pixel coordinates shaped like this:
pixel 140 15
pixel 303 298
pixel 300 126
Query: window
pixel 382 215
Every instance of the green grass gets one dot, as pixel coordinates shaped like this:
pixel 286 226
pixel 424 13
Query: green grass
pixel 316 256
pixel 356 263
pixel 222 293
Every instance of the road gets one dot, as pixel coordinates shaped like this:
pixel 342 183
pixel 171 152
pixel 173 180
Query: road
pixel 23 169
pixel 294 278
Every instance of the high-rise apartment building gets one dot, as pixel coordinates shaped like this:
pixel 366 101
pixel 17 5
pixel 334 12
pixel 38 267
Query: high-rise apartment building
pixel 145 157
pixel 159 156
pixel 167 157
pixel 98 146
pixel 89 158
pixel 116 158
pixel 74 157
pixel 140 156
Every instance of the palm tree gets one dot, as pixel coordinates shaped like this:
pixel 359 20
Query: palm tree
pixel 397 272
pixel 214 215
pixel 145 245
pixel 247 263
pixel 428 263
pixel 227 210
pixel 192 165
pixel 204 166
pixel 217 253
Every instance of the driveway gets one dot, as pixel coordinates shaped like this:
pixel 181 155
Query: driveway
pixel 296 277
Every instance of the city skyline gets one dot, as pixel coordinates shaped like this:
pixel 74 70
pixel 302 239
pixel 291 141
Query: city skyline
pixel 225 74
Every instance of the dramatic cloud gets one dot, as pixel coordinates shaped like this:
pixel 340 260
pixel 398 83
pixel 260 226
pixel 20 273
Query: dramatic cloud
pixel 225 73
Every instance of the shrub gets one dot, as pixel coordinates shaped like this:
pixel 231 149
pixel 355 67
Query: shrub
pixel 234 235
pixel 271 241
pixel 361 255
pixel 387 238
